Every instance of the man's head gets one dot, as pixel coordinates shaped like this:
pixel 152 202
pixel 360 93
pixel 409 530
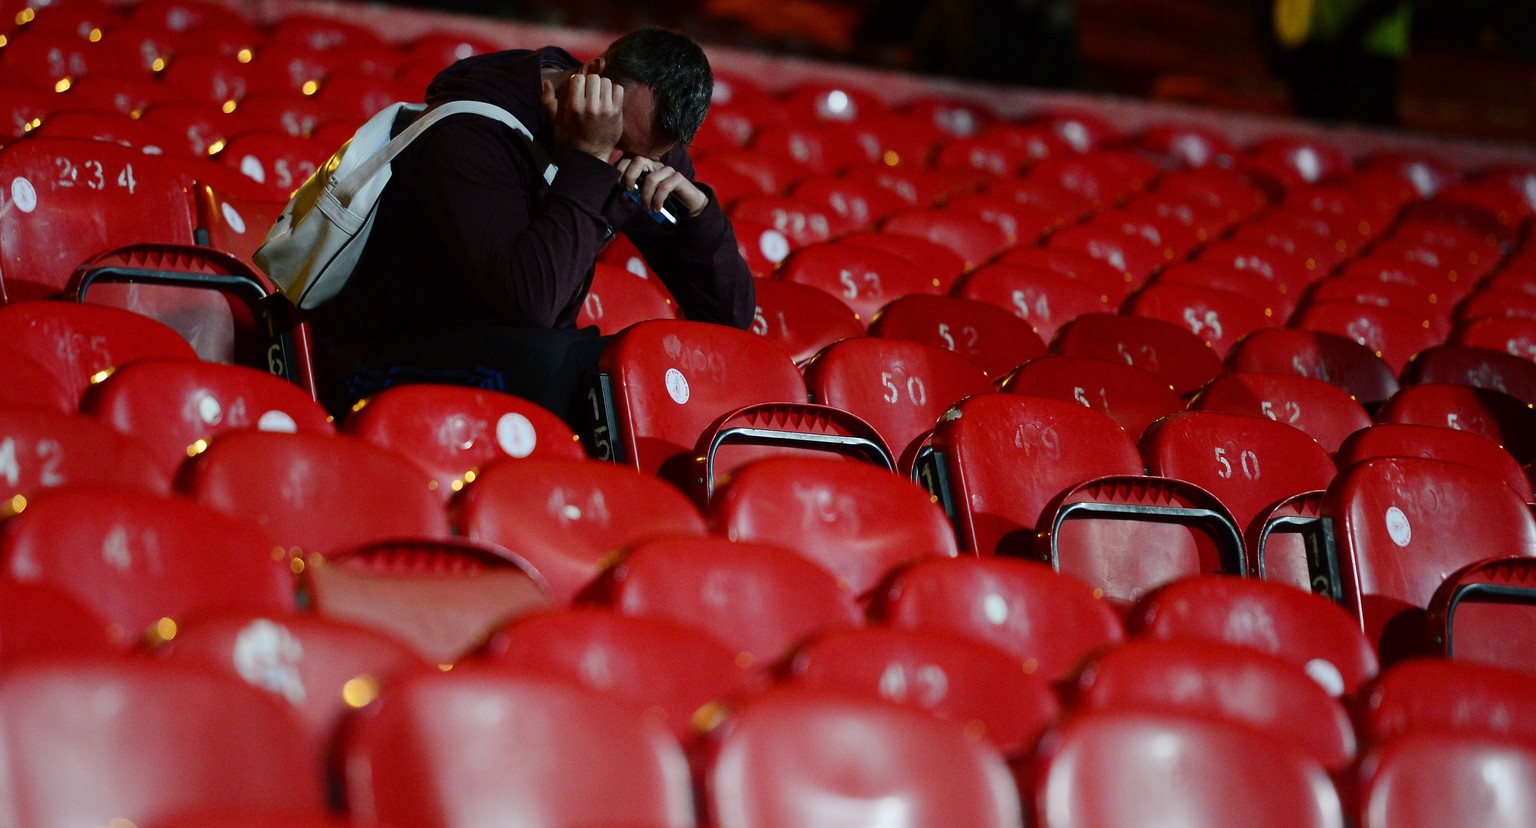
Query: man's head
pixel 678 84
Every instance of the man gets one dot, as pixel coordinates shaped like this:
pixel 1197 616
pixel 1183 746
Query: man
pixel 481 255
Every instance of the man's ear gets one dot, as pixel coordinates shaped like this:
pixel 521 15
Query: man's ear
pixel 595 66
pixel 548 99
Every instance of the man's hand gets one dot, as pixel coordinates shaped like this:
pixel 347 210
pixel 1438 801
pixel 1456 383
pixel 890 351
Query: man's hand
pixel 590 119
pixel 660 181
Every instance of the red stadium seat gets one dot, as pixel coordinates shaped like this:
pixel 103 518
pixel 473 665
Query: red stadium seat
pixel 1189 144
pixel 952 677
pixel 565 517
pixel 1130 396
pixel 1046 621
pixel 42 450
pixel 856 521
pixel 1272 263
pixel 1323 411
pixel 864 279
pixel 1025 223
pixel 759 599
pixel 437 596
pixel 1363 290
pixel 1216 188
pixel 763 247
pixel 142 560
pixel 1491 414
pixel 313 493
pixel 1172 237
pixel 1270 298
pixel 936 260
pixel 618 299
pixel 801 319
pixel 1483 613
pixel 1477 367
pixel 1133 768
pixel 802 222
pixel 855 205
pixel 1217 316
pixel 233 221
pixel 1043 298
pixel 654 664
pixel 320 667
pixel 1402 524
pixel 1225 681
pixel 1168 350
pixel 174 406
pixel 1435 695
pixel 817 148
pixel 1337 360
pixel 457 748
pixel 273 159
pixel 1113 285
pixel 41 620
pixel 1436 443
pixel 973 237
pixel 1133 257
pixel 992 338
pixel 27 383
pixel 796 756
pixel 1510 334
pixel 453 432
pixel 1308 630
pixel 1435 779
pixel 131 739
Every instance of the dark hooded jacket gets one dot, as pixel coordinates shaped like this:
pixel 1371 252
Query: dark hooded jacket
pixel 469 233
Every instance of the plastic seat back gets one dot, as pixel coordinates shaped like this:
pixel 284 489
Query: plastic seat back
pixel 1310 631
pixel 653 664
pixel 801 319
pixel 138 740
pixel 989 336
pixel 1491 414
pixel 952 677
pixel 42 449
pixel 313 493
pixel 618 299
pixel 1393 335
pixel 1004 457
pixel 866 279
pixel 320 667
pixel 27 383
pixel 71 198
pixel 565 518
pixel 476 747
pixel 1043 298
pixel 1413 440
pixel 140 559
pixel 1229 682
pixel 76 342
pixel 760 600
pixel 454 431
pixel 801 757
pixel 1323 411
pixel 1165 349
pixel 1402 524
pixel 1437 779
pixel 856 521
pixel 976 239
pixel 1132 397
pixel 1218 317
pixel 1046 621
pixel 40 619
pixel 899 387
pixel 1439 695
pixel 1334 359
pixel 1478 367
pixel 1483 612
pixel 1129 768
pixel 176 405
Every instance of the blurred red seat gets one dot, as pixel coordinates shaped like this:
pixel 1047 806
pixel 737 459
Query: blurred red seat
pixel 1049 623
pixel 1168 350
pixel 25 382
pixel 1334 359
pixel 1436 779
pixel 1491 414
pixel 1478 367
pixel 1437 443
pixel 1217 316
pixel 618 299
pixel 41 449
pixel 75 342
pixel 1130 396
pixel 1043 298
pixel 973 237
pixel 1436 695
pixel 759 599
pixel 39 620
pixel 1483 613
pixel 862 278
pixel 1325 412
pixel 1393 335
pixel 1112 284
pixel 1510 334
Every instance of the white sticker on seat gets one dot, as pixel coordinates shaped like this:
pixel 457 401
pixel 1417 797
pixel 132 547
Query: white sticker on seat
pixel 515 435
pixel 677 386
pixel 1398 528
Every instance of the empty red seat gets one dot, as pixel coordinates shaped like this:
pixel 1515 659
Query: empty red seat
pixel 1271 263
pixel 27 383
pixel 936 260
pixel 137 740
pixel 1225 681
pixel 1393 335
pixel 453 431
pixel 855 205
pixel 462 747
pixel 1132 397
pixel 1324 411
pixel 1112 284
pixel 802 222
pixel 1442 696
pixel 952 677
pixel 313 493
pixel 1043 298
pixel 277 161
pixel 786 758
pixel 565 518
pixel 1139 768
pixel 1478 367
pixel 1334 359
pixel 759 599
pixel 1046 621
pixel 1414 440
pixel 176 406
pixel 38 619
pixel 976 239
pixel 1440 779
pixel 1510 334
pixel 801 319
pixel 1483 612
pixel 1168 350
pixel 1491 414
pixel 1217 316
pixel 857 521
pixel 1308 630
pixel 618 299
pixel 652 664
pixel 1363 290
pixel 1133 257
pixel 992 338
pixel 42 449
pixel 1402 524
pixel 75 342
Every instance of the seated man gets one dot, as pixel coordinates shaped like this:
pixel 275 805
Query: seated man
pixel 483 245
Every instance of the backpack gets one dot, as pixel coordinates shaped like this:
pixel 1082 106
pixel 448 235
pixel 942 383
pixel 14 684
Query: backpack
pixel 315 244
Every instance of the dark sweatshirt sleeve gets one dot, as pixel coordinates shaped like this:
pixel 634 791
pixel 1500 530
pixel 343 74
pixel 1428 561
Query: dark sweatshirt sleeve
pixel 526 257
pixel 698 260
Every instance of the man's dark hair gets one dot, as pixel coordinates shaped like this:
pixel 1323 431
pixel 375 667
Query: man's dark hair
pixel 675 69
